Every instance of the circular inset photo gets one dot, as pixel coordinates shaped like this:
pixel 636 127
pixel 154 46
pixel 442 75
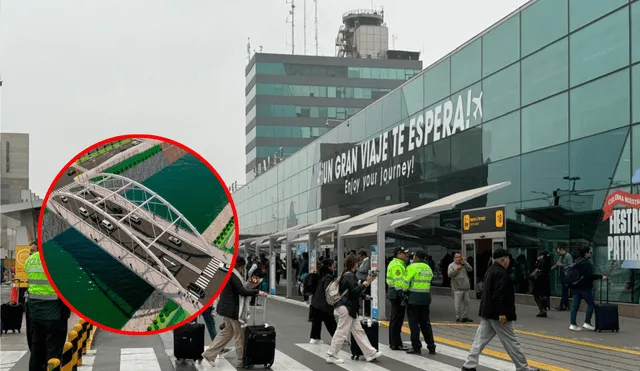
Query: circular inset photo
pixel 135 232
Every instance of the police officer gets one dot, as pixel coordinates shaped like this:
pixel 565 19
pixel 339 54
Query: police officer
pixel 395 292
pixel 48 316
pixel 418 277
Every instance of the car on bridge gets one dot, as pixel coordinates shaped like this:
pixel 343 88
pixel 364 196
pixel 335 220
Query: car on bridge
pixel 64 199
pixel 107 224
pixel 134 218
pixel 83 212
pixel 197 290
pixel 115 208
pixel 175 240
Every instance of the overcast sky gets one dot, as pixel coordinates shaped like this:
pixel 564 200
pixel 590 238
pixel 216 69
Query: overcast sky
pixel 75 71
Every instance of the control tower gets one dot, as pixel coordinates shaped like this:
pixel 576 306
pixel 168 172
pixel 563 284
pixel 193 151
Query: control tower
pixel 363 34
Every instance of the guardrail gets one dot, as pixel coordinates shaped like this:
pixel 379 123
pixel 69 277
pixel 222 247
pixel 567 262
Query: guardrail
pixel 78 342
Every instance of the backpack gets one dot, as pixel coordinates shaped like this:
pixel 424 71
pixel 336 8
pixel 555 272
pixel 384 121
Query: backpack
pixel 310 283
pixel 332 293
pixel 572 274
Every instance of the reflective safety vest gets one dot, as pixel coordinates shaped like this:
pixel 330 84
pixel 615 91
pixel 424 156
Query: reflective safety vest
pixel 418 279
pixel 395 278
pixel 39 286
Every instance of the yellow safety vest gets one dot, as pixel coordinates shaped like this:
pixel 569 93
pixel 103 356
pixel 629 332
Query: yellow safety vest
pixel 395 275
pixel 39 286
pixel 418 278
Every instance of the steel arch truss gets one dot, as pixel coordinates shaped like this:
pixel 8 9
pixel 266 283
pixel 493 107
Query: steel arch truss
pixel 146 203
pixel 162 269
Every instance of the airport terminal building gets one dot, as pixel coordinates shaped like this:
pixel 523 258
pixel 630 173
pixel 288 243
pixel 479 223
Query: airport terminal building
pixel 545 104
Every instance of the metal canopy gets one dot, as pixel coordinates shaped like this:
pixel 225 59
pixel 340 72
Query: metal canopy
pixel 371 215
pixel 301 239
pixel 280 239
pixel 285 232
pixel 327 231
pixel 434 207
pixel 323 225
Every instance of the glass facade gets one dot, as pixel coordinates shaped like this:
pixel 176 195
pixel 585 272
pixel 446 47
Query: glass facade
pixel 285 110
pixel 548 100
pixel 263 68
pixel 264 131
pixel 283 90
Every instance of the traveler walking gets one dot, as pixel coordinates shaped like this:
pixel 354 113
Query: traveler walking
pixel 347 310
pixel 458 272
pixel 418 277
pixel 229 308
pixel 321 311
pixel 582 288
pixel 541 283
pixel 48 315
pixel 497 312
pixel 395 292
pixel 564 260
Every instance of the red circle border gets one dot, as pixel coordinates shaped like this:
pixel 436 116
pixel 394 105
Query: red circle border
pixel 229 197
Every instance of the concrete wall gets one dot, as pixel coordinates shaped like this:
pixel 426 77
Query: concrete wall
pixel 147 168
pixel 53 225
pixel 14 167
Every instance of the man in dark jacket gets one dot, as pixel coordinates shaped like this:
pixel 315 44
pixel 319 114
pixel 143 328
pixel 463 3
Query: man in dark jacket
pixel 583 290
pixel 497 313
pixel 229 309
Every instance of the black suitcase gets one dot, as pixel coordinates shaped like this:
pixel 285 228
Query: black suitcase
pixel 259 342
pixel 11 316
pixel 188 342
pixel 607 318
pixel 370 327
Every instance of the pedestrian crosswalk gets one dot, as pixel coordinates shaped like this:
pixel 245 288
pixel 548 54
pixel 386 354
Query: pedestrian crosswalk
pixel 312 357
pixel 208 273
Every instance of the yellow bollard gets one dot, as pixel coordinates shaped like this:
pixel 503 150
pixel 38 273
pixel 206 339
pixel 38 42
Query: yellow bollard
pixel 85 335
pixel 92 331
pixel 78 344
pixel 67 357
pixel 73 339
pixel 53 364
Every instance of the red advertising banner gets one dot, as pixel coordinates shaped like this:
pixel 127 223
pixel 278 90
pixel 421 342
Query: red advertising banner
pixel 625 199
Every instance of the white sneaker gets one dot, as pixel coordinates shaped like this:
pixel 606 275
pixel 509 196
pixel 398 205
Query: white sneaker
pixel 588 326
pixel 335 360
pixel 316 341
pixel 574 328
pixel 375 356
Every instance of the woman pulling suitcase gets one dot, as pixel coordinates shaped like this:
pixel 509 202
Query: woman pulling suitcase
pixel 347 309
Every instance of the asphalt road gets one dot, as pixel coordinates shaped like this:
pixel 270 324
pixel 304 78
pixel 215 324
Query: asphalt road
pixel 106 156
pixel 114 352
pixel 183 274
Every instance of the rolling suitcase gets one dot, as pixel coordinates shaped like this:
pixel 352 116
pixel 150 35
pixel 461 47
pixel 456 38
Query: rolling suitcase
pixel 607 318
pixel 259 342
pixel 11 316
pixel 188 342
pixel 370 327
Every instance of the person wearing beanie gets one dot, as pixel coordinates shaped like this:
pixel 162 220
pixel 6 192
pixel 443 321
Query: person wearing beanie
pixel 497 313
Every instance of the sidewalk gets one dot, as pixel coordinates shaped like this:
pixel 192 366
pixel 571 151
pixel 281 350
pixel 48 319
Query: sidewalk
pixel 547 342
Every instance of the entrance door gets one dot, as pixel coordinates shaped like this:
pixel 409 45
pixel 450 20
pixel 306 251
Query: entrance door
pixel 498 243
pixel 469 253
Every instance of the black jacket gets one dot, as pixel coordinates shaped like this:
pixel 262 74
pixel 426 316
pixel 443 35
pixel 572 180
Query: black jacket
pixel 319 299
pixel 352 299
pixel 229 303
pixel 498 294
pixel 586 272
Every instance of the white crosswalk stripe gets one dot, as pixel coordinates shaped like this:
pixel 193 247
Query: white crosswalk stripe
pixel 139 359
pixel 320 350
pixel 8 358
pixel 145 359
pixel 87 360
pixel 424 364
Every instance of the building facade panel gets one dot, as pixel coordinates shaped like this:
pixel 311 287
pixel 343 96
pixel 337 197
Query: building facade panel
pixel 560 121
pixel 297 89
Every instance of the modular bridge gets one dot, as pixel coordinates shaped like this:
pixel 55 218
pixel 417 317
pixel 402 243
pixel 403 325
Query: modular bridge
pixel 145 233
